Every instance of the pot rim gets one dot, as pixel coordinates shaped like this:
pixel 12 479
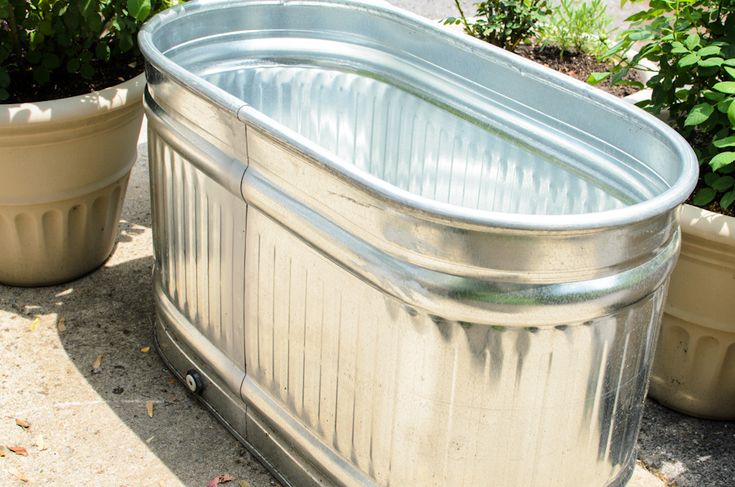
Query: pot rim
pixel 708 224
pixel 655 207
pixel 61 110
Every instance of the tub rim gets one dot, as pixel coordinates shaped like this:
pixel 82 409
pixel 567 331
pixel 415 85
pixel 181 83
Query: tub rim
pixel 427 208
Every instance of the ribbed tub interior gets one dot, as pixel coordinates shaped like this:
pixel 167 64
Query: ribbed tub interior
pixel 413 142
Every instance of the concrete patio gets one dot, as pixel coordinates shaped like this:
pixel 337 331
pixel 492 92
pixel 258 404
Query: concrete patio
pixel 78 365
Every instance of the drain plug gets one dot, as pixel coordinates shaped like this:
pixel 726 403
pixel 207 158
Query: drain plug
pixel 194 381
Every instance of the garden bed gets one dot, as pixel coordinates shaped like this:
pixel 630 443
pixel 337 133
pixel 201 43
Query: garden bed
pixel 577 65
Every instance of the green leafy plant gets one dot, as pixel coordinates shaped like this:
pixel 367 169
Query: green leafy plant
pixel 693 44
pixel 72 39
pixel 580 27
pixel 504 23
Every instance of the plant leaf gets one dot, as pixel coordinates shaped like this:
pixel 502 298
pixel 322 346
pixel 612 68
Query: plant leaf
pixel 87 71
pixel 699 114
pixel 711 62
pixel 139 9
pixel 723 183
pixel 724 105
pixel 724 142
pixel 640 35
pixel 4 53
pixel 713 96
pixel 727 200
pixel 86 8
pixel 73 65
pixel 721 160
pixel 709 51
pixel 103 51
pixel 704 197
pixel 731 113
pixel 692 41
pixel 688 60
pixel 50 61
pixel 725 87
pixel 595 78
pixel 730 71
pixel 710 178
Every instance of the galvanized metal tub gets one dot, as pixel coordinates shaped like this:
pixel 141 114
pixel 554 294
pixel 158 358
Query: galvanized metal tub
pixel 387 254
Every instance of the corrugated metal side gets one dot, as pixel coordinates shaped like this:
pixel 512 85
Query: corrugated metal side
pixel 407 140
pixel 199 241
pixel 416 400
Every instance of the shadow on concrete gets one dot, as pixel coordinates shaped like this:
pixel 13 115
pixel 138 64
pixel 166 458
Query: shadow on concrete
pixel 686 451
pixel 110 313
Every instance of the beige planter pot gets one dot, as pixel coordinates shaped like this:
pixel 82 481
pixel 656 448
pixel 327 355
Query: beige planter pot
pixel 65 166
pixel 694 368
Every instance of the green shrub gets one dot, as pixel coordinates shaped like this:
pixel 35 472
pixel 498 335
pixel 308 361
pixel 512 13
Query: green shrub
pixel 693 43
pixel 581 27
pixel 43 39
pixel 504 23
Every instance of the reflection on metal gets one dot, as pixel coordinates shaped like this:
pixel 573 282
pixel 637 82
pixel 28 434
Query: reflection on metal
pixel 397 256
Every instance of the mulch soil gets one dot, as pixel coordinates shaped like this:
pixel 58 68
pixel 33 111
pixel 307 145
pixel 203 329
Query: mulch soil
pixel 63 84
pixel 575 64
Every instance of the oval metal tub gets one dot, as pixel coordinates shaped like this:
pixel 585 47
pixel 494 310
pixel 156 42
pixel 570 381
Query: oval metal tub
pixel 395 255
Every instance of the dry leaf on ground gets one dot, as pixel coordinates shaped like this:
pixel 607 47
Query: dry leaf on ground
pixel 34 324
pixel 22 423
pixel 18 450
pixel 40 443
pixel 220 479
pixel 61 324
pixel 20 475
pixel 244 483
pixel 172 380
pixel 97 365
pixel 149 408
pixel 145 349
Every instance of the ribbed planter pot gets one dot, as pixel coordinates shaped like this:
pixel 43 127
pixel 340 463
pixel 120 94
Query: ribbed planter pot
pixel 694 368
pixel 65 166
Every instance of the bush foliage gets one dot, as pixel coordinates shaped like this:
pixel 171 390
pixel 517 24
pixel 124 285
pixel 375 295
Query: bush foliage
pixel 503 23
pixel 693 44
pixel 40 39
